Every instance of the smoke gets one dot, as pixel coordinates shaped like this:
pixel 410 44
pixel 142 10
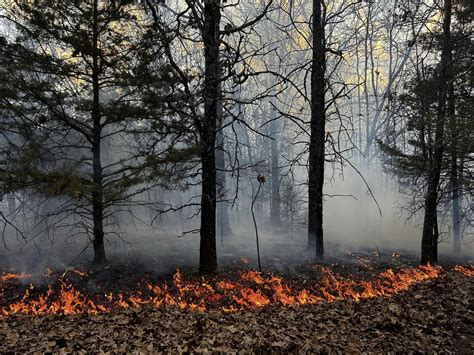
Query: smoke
pixel 352 222
pixel 355 220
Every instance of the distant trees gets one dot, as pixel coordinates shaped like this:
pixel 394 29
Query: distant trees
pixel 390 32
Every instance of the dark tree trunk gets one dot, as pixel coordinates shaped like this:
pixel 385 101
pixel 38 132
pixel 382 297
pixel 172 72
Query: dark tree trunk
pixel 435 238
pixel 210 35
pixel 428 251
pixel 317 140
pixel 97 195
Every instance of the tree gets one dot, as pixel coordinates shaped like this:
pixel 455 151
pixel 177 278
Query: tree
pixel 459 111
pixel 207 133
pixel 438 119
pixel 317 135
pixel 200 22
pixel 81 77
pixel 429 239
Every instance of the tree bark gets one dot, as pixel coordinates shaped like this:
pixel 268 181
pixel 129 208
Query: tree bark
pixel 454 178
pixel 97 193
pixel 435 238
pixel 456 211
pixel 275 217
pixel 210 35
pixel 222 212
pixel 317 139
pixel 428 251
pixel 275 208
pixel 11 203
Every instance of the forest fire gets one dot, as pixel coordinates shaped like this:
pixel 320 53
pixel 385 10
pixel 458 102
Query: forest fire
pixel 249 290
pixel 155 154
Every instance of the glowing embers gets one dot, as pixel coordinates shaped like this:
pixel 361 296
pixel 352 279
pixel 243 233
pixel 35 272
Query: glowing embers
pixel 230 293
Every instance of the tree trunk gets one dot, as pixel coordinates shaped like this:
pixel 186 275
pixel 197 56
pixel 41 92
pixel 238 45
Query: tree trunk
pixel 222 212
pixel 317 140
pixel 435 238
pixel 428 252
pixel 368 138
pixel 275 171
pixel 456 215
pixel 210 35
pixel 97 196
pixel 457 205
pixel 454 178
pixel 11 203
pixel 275 217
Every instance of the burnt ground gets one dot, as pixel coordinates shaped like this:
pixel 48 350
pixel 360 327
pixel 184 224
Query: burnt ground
pixel 433 316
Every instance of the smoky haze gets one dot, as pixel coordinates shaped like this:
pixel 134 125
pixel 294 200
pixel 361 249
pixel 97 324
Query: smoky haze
pixel 352 223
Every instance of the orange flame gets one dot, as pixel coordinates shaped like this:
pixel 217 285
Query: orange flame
pixel 10 277
pixel 251 290
pixel 467 271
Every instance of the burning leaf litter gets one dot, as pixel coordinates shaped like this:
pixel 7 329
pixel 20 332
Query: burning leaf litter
pixel 409 317
pixel 467 271
pixel 249 290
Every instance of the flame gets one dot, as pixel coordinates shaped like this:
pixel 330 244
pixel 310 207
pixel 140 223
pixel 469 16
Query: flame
pixel 251 289
pixel 11 277
pixel 467 271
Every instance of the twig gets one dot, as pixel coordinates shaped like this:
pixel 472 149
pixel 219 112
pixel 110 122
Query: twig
pixel 377 248
pixel 260 182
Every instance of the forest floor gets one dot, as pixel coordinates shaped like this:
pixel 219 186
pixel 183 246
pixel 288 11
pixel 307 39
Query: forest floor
pixel 436 315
